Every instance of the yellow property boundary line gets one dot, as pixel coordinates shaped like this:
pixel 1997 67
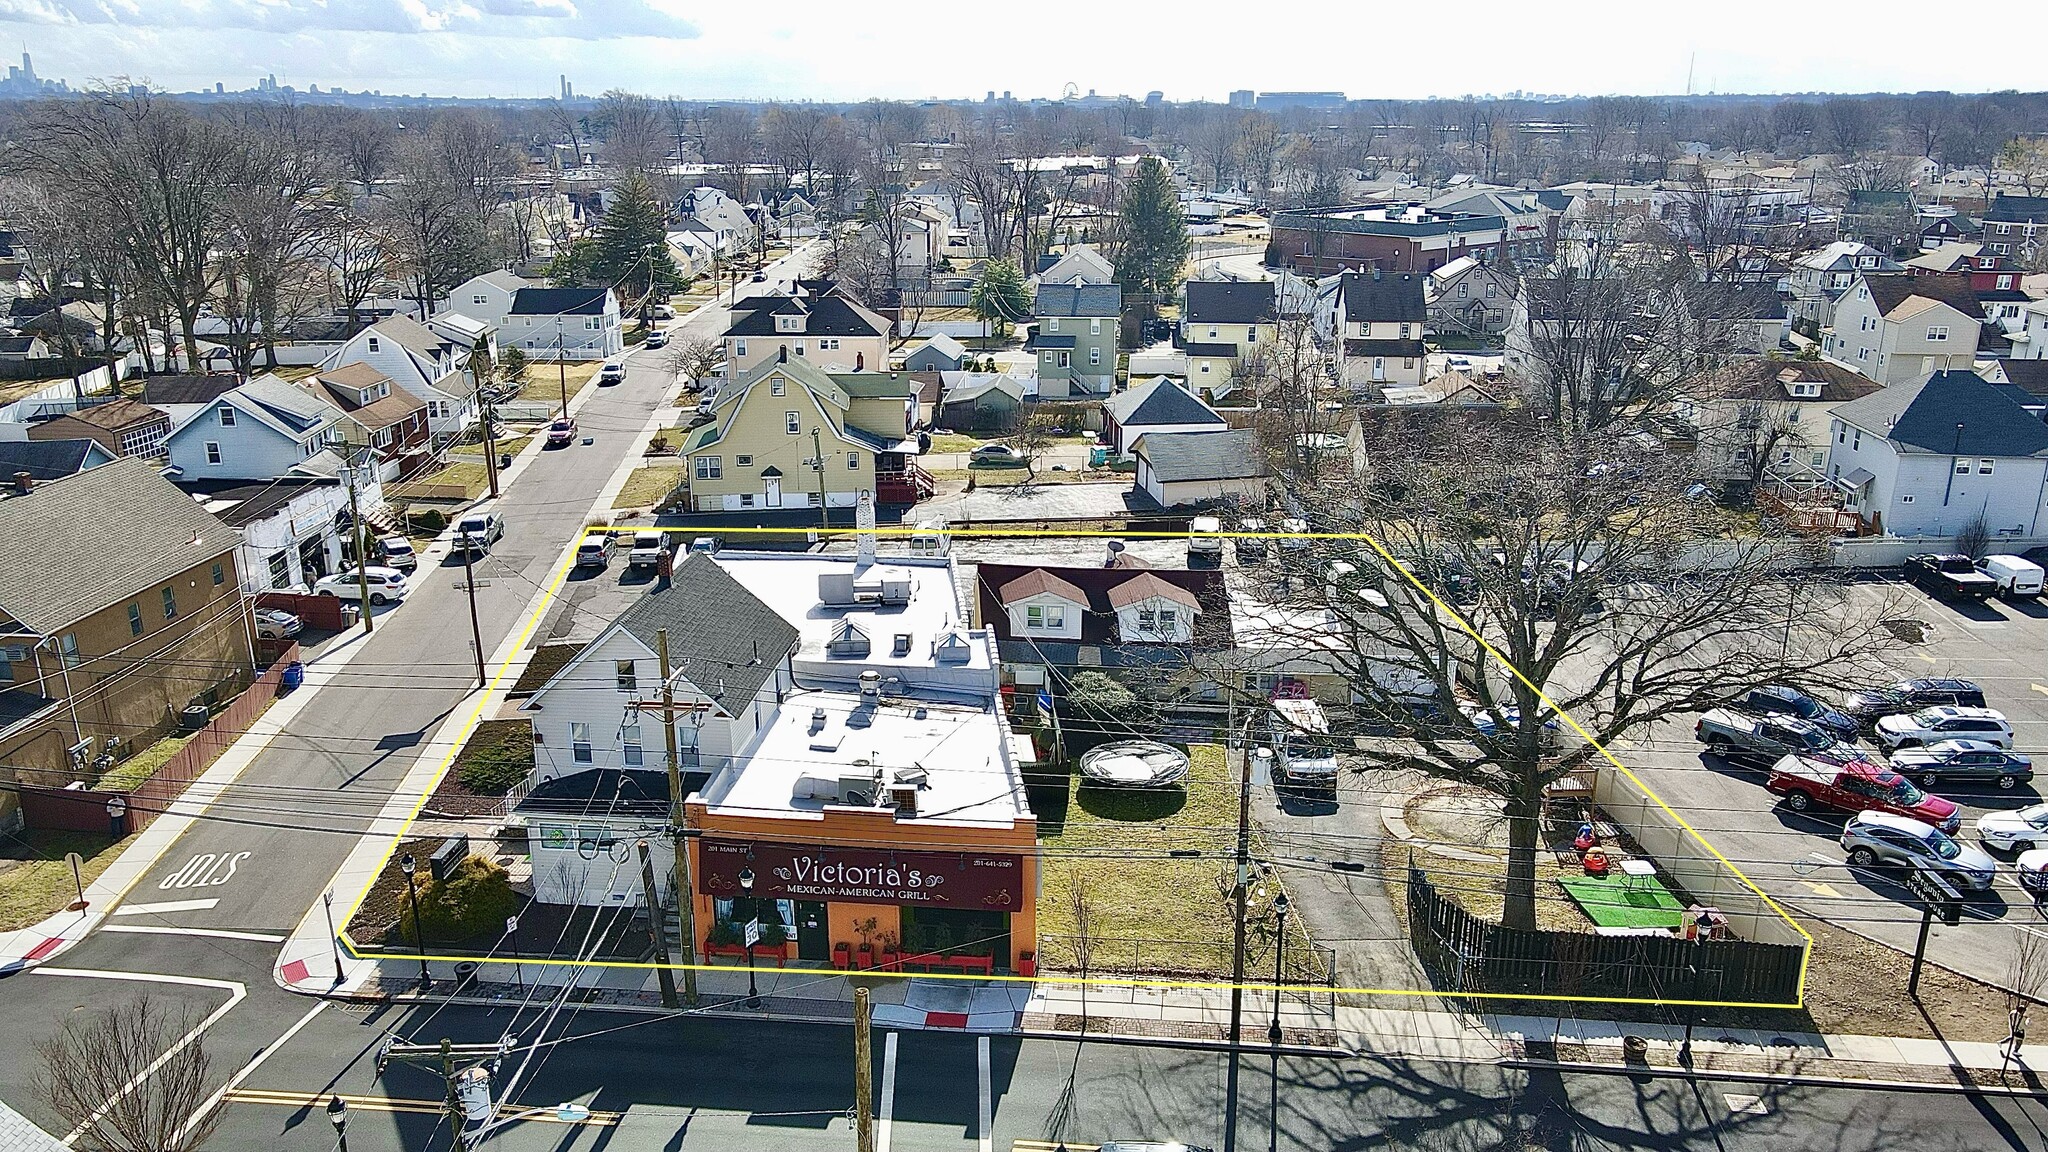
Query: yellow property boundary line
pixel 567 563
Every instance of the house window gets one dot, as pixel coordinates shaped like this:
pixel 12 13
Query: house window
pixel 1045 616
pixel 742 461
pixel 170 603
pixel 1251 334
pixel 220 575
pixel 1817 459
pixel 792 423
pixel 579 742
pixel 67 650
pixel 629 741
pixel 1962 467
pixel 1907 499
pixel 1066 359
pixel 213 451
pixel 1094 356
pixel 1937 332
pixel 135 617
pixel 373 344
pixel 1053 325
pixel 478 299
pixel 709 468
pixel 1464 290
pixel 1212 331
pixel 1095 326
pixel 227 416
pixel 1489 291
pixel 853 460
pixel 1407 361
pixel 799 347
pixel 1205 367
pixel 777 387
pixel 739 348
pixel 280 564
pixel 1984 467
pixel 1404 331
pixel 628 681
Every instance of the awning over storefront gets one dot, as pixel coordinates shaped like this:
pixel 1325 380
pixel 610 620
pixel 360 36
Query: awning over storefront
pixel 976 880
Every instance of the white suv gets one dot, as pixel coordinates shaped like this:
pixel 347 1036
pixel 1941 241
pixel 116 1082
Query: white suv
pixel 387 585
pixel 1944 723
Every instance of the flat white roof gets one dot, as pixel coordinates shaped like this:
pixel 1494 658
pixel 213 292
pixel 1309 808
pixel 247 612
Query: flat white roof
pixel 964 750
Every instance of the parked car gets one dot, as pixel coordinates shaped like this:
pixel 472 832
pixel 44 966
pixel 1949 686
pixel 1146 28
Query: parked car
pixel 1205 542
pixel 395 552
pixel 1963 760
pixel 478 531
pixel 2020 830
pixel 1251 545
pixel 596 551
pixel 1860 786
pixel 1947 722
pixel 2017 579
pixel 387 585
pixel 664 312
pixel 277 624
pixel 657 338
pixel 613 372
pixel 647 549
pixel 1295 534
pixel 1733 736
pixel 995 451
pixel 561 433
pixel 1784 700
pixel 1949 576
pixel 1869 705
pixel 2031 870
pixel 708 545
pixel 1872 838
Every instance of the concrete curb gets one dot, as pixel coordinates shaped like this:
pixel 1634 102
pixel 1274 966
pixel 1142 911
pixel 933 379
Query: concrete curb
pixel 1793 1079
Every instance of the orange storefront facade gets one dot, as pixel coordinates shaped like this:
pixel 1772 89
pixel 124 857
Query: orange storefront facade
pixel 859 888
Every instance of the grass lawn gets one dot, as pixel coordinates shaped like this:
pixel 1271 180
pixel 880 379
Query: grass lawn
pixel 131 772
pixel 1477 887
pixel 954 442
pixel 1012 477
pixel 1625 901
pixel 1134 891
pixel 543 382
pixel 471 475
pixel 34 880
pixel 647 487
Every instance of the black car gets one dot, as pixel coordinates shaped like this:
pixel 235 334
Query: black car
pixel 1869 705
pixel 1785 700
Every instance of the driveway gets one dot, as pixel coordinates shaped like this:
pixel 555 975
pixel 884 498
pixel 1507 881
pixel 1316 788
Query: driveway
pixel 1018 503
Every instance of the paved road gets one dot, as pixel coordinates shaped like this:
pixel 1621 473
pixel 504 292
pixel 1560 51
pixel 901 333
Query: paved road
pixel 267 849
pixel 677 1084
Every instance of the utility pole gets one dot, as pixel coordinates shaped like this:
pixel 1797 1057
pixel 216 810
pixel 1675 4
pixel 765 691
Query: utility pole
pixel 355 519
pixel 659 929
pixel 487 410
pixel 677 816
pixel 863 1076
pixel 1244 874
pixel 476 634
pixel 818 466
pixel 561 368
pixel 455 1118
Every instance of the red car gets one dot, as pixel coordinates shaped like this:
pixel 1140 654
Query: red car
pixel 1858 786
pixel 561 433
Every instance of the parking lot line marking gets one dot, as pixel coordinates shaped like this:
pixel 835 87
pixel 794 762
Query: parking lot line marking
pixel 986 1139
pixel 1925 656
pixel 221 933
pixel 2041 688
pixel 887 1120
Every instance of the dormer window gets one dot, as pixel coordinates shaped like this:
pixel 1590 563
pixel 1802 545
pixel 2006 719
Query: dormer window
pixel 1805 390
pixel 789 323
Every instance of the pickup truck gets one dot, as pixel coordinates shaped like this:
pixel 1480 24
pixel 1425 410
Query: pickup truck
pixel 1732 735
pixel 1950 577
pixel 1860 786
pixel 647 549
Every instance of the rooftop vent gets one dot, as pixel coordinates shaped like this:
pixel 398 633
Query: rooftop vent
pixel 871 685
pixel 902 644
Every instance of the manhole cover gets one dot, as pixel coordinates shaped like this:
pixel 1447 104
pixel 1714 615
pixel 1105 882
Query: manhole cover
pixel 1746 1105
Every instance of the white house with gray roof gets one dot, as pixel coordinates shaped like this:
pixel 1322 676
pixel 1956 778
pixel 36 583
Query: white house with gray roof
pixel 424 360
pixel 1926 458
pixel 1077 338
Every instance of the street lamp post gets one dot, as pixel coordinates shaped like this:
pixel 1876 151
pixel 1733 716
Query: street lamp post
pixel 747 885
pixel 518 969
pixel 1279 966
pixel 337 1115
pixel 408 865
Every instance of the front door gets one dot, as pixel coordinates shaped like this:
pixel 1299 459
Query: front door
pixel 1379 368
pixel 774 497
pixel 813 938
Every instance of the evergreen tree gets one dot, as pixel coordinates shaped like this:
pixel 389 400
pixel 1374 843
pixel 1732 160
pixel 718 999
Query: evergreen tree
pixel 1155 234
pixel 629 248
pixel 999 297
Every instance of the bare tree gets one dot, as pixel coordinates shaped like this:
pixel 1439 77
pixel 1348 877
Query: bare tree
pixel 427 214
pixel 731 144
pixel 134 1078
pixel 633 130
pixel 363 142
pixel 694 357
pixel 1598 347
pixel 270 218
pixel 795 136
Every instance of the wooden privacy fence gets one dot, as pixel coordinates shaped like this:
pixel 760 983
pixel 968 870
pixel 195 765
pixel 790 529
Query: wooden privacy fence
pixel 85 809
pixel 1467 954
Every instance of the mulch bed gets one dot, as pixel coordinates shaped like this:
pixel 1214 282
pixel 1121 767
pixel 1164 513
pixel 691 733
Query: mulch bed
pixel 547 660
pixel 454 798
pixel 545 930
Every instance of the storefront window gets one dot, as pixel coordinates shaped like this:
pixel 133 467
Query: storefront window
pixel 737 911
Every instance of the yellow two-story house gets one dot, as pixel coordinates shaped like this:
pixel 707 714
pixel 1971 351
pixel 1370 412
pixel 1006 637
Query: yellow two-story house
pixel 1224 325
pixel 789 435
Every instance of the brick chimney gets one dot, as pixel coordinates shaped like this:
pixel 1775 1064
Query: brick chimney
pixel 24 483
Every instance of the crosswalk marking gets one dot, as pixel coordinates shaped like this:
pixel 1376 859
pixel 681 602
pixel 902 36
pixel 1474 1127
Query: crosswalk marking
pixel 293 1099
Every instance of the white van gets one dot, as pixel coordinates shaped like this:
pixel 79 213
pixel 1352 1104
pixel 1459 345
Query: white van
pixel 931 538
pixel 2016 577
pixel 1303 752
pixel 1205 542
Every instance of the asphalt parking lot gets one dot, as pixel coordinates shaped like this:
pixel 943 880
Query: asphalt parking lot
pixel 1797 858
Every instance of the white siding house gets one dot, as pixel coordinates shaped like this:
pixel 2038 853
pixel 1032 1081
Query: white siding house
pixel 1927 458
pixel 259 431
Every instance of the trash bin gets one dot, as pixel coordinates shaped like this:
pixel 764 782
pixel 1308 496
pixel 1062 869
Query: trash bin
pixel 465 976
pixel 504 459
pixel 294 674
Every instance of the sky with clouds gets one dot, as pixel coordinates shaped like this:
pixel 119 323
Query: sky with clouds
pixel 836 50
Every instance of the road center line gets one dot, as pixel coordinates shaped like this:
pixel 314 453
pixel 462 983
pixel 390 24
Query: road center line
pixel 887 1118
pixel 987 1138
pixel 236 993
pixel 165 906
pixel 220 933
